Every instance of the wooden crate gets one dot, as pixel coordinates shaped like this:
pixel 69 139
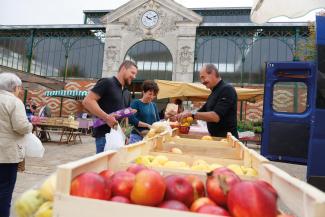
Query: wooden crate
pixel 68 206
pixel 298 196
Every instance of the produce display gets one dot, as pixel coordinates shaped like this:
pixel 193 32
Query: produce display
pixel 198 165
pixel 37 202
pixel 223 193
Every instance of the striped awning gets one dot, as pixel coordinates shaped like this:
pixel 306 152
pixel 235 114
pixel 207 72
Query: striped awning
pixel 72 94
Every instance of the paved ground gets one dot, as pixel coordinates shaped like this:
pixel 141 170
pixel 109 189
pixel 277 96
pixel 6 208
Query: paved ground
pixel 56 154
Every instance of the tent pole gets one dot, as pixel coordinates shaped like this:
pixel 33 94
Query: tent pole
pixel 61 106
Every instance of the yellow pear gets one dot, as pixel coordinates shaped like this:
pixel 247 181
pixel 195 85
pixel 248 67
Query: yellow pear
pixel 160 159
pixel 215 166
pixel 199 162
pixel 251 172
pixel 201 167
pixel 28 203
pixel 236 168
pixel 207 138
pixel 176 151
pixel 47 189
pixel 45 210
pixel 172 164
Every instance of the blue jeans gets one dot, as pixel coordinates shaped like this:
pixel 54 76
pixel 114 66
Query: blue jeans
pixel 100 144
pixel 135 138
pixel 8 176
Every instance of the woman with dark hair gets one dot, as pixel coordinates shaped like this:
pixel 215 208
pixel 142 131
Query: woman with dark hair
pixel 147 112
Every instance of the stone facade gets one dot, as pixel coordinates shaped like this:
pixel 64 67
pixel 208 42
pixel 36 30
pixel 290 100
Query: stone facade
pixel 176 29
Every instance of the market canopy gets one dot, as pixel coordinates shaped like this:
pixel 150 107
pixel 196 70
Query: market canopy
pixel 196 91
pixel 72 94
pixel 264 10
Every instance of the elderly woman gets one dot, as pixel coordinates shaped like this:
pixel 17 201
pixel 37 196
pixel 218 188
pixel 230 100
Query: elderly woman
pixel 147 112
pixel 14 125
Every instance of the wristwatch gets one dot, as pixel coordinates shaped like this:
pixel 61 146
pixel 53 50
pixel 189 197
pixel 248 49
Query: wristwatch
pixel 193 114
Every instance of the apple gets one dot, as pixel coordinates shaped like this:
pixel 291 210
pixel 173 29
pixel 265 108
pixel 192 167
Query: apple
pixel 91 185
pixel 178 188
pixel 214 210
pixel 249 198
pixel 149 188
pixel 174 204
pixel 135 168
pixel 221 170
pixel 120 199
pixel 121 183
pixel 218 184
pixel 268 186
pixel 201 202
pixel 197 184
pixel 107 174
pixel 284 215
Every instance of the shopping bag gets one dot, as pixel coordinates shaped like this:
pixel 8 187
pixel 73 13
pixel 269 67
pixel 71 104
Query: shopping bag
pixel 115 139
pixel 33 146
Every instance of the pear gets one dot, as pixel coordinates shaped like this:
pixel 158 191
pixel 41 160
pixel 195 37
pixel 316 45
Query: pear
pixel 45 210
pixel 237 169
pixel 47 189
pixel 177 151
pixel 160 159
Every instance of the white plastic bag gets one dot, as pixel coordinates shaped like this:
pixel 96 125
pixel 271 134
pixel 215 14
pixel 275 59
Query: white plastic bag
pixel 33 146
pixel 115 139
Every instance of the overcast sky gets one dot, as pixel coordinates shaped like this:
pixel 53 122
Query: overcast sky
pixel 34 12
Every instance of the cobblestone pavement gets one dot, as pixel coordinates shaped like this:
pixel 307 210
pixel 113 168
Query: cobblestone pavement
pixel 56 154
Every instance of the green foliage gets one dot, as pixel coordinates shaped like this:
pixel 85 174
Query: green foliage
pixel 255 126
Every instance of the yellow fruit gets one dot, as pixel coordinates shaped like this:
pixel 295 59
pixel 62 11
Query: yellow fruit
pixel 160 159
pixel 172 164
pixel 189 119
pixel 215 166
pixel 223 140
pixel 200 162
pixel 144 160
pixel 236 168
pixel 183 164
pixel 176 151
pixel 151 133
pixel 28 203
pixel 47 189
pixel 185 124
pixel 201 167
pixel 46 210
pixel 251 172
pixel 207 138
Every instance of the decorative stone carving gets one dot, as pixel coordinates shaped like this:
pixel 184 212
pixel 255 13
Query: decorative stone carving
pixel 166 23
pixel 112 57
pixel 185 58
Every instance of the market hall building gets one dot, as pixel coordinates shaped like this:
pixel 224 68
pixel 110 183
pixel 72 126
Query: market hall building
pixel 165 39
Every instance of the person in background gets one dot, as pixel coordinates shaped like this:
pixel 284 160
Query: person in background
pixel 179 103
pixel 107 96
pixel 14 125
pixel 220 110
pixel 30 107
pixel 147 112
pixel 45 110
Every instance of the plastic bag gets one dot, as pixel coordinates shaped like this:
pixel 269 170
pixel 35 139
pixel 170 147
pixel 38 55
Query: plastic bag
pixel 33 146
pixel 115 139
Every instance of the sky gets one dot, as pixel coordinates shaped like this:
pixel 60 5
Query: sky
pixel 45 12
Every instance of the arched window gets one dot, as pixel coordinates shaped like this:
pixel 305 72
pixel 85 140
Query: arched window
pixel 153 59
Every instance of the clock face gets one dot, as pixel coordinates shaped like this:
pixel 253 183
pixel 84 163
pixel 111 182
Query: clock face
pixel 150 18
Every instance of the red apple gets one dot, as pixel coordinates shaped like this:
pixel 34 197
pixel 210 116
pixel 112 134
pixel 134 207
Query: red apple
pixel 106 174
pixel 218 184
pixel 174 204
pixel 122 183
pixel 214 210
pixel 249 198
pixel 284 215
pixel 120 199
pixel 198 186
pixel 149 188
pixel 91 185
pixel 178 188
pixel 197 204
pixel 135 168
pixel 268 186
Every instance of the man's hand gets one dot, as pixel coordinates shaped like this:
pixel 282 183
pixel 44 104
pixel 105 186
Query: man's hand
pixel 184 114
pixel 110 120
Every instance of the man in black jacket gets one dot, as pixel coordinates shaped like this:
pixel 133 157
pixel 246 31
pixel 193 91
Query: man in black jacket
pixel 107 96
pixel 220 109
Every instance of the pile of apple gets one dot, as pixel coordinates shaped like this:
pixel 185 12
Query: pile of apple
pixel 224 193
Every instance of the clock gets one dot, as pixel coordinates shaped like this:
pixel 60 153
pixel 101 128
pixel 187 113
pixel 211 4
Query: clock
pixel 150 18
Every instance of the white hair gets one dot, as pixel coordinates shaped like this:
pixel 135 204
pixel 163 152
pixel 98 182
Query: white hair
pixel 9 81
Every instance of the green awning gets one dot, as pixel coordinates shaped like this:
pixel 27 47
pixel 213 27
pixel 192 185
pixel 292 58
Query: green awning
pixel 72 94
